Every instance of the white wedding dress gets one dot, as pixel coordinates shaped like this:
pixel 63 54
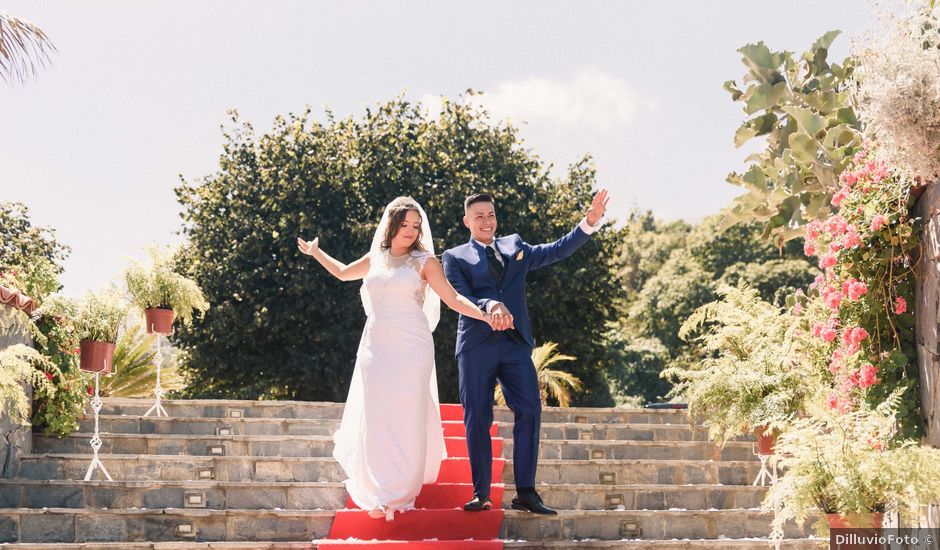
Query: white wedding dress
pixel 391 440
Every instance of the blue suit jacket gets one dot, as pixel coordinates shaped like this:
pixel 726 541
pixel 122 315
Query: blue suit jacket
pixel 468 271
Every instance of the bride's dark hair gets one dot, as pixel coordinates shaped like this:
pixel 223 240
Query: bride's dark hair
pixel 396 215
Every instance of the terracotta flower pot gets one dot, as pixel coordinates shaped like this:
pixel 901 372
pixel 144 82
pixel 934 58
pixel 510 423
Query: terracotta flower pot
pixel 159 321
pixel 766 440
pixel 856 521
pixel 862 525
pixel 97 356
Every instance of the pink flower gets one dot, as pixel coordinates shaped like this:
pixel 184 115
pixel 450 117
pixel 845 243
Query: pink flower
pixel 837 362
pixel 840 196
pixel 812 230
pixel 832 297
pixel 817 281
pixel 852 239
pixel 856 289
pixel 868 376
pixel 797 308
pixel 852 381
pixel 878 221
pixel 900 305
pixel 848 178
pixel 859 334
pixel 836 225
pixel 827 260
pixel 49 376
pixel 838 404
pixel 809 248
pixel 835 246
pixel 826 331
pixel 852 337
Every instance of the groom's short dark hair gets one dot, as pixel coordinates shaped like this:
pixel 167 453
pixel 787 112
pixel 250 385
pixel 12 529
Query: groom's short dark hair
pixel 477 197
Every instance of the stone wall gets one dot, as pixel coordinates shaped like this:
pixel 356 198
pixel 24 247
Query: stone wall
pixel 927 297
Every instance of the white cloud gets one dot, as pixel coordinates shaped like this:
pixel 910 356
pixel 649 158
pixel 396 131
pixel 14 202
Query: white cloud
pixel 591 100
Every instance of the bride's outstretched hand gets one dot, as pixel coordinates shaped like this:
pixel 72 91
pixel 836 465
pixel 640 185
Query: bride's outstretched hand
pixel 308 247
pixel 490 319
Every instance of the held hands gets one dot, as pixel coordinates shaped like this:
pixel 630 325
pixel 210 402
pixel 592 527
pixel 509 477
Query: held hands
pixel 499 318
pixel 308 247
pixel 598 207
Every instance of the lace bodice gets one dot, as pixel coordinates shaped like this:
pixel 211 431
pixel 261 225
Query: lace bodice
pixel 393 287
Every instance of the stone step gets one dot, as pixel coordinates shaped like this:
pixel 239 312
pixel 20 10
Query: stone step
pixel 736 544
pixel 306 445
pixel 22 493
pixel 68 525
pixel 240 468
pixel 216 408
pixel 614 472
pixel 275 426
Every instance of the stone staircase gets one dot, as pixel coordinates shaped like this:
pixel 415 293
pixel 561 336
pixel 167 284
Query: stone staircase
pixel 258 474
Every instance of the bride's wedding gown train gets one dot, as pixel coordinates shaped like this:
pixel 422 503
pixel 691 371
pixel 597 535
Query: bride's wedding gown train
pixel 390 440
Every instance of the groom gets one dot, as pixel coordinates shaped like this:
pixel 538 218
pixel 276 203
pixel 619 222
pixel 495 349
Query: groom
pixel 491 272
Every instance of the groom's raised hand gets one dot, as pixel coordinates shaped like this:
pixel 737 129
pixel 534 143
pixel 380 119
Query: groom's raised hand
pixel 598 207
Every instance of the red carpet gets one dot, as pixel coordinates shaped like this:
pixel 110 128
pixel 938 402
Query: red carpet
pixel 412 545
pixel 455 428
pixel 438 522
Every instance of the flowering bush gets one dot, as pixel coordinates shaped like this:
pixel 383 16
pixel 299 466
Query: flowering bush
pixel 57 412
pixel 858 325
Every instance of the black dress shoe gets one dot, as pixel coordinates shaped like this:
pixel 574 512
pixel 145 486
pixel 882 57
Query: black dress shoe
pixel 531 502
pixel 478 504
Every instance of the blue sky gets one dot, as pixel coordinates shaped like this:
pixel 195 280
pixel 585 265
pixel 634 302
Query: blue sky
pixel 137 92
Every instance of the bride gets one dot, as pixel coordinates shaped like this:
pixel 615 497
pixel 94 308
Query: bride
pixel 390 440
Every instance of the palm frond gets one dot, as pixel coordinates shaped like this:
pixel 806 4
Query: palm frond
pixel 552 383
pixel 24 48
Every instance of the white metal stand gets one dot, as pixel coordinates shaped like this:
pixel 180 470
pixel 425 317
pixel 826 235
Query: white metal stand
pixel 95 438
pixel 768 470
pixel 158 389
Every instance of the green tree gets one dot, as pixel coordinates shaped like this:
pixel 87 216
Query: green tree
pixel 668 271
pixel 281 327
pixel 31 251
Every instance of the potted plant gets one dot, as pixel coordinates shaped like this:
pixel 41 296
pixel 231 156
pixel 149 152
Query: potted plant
pixel 751 379
pixel 162 292
pixel 97 321
pixel 851 469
